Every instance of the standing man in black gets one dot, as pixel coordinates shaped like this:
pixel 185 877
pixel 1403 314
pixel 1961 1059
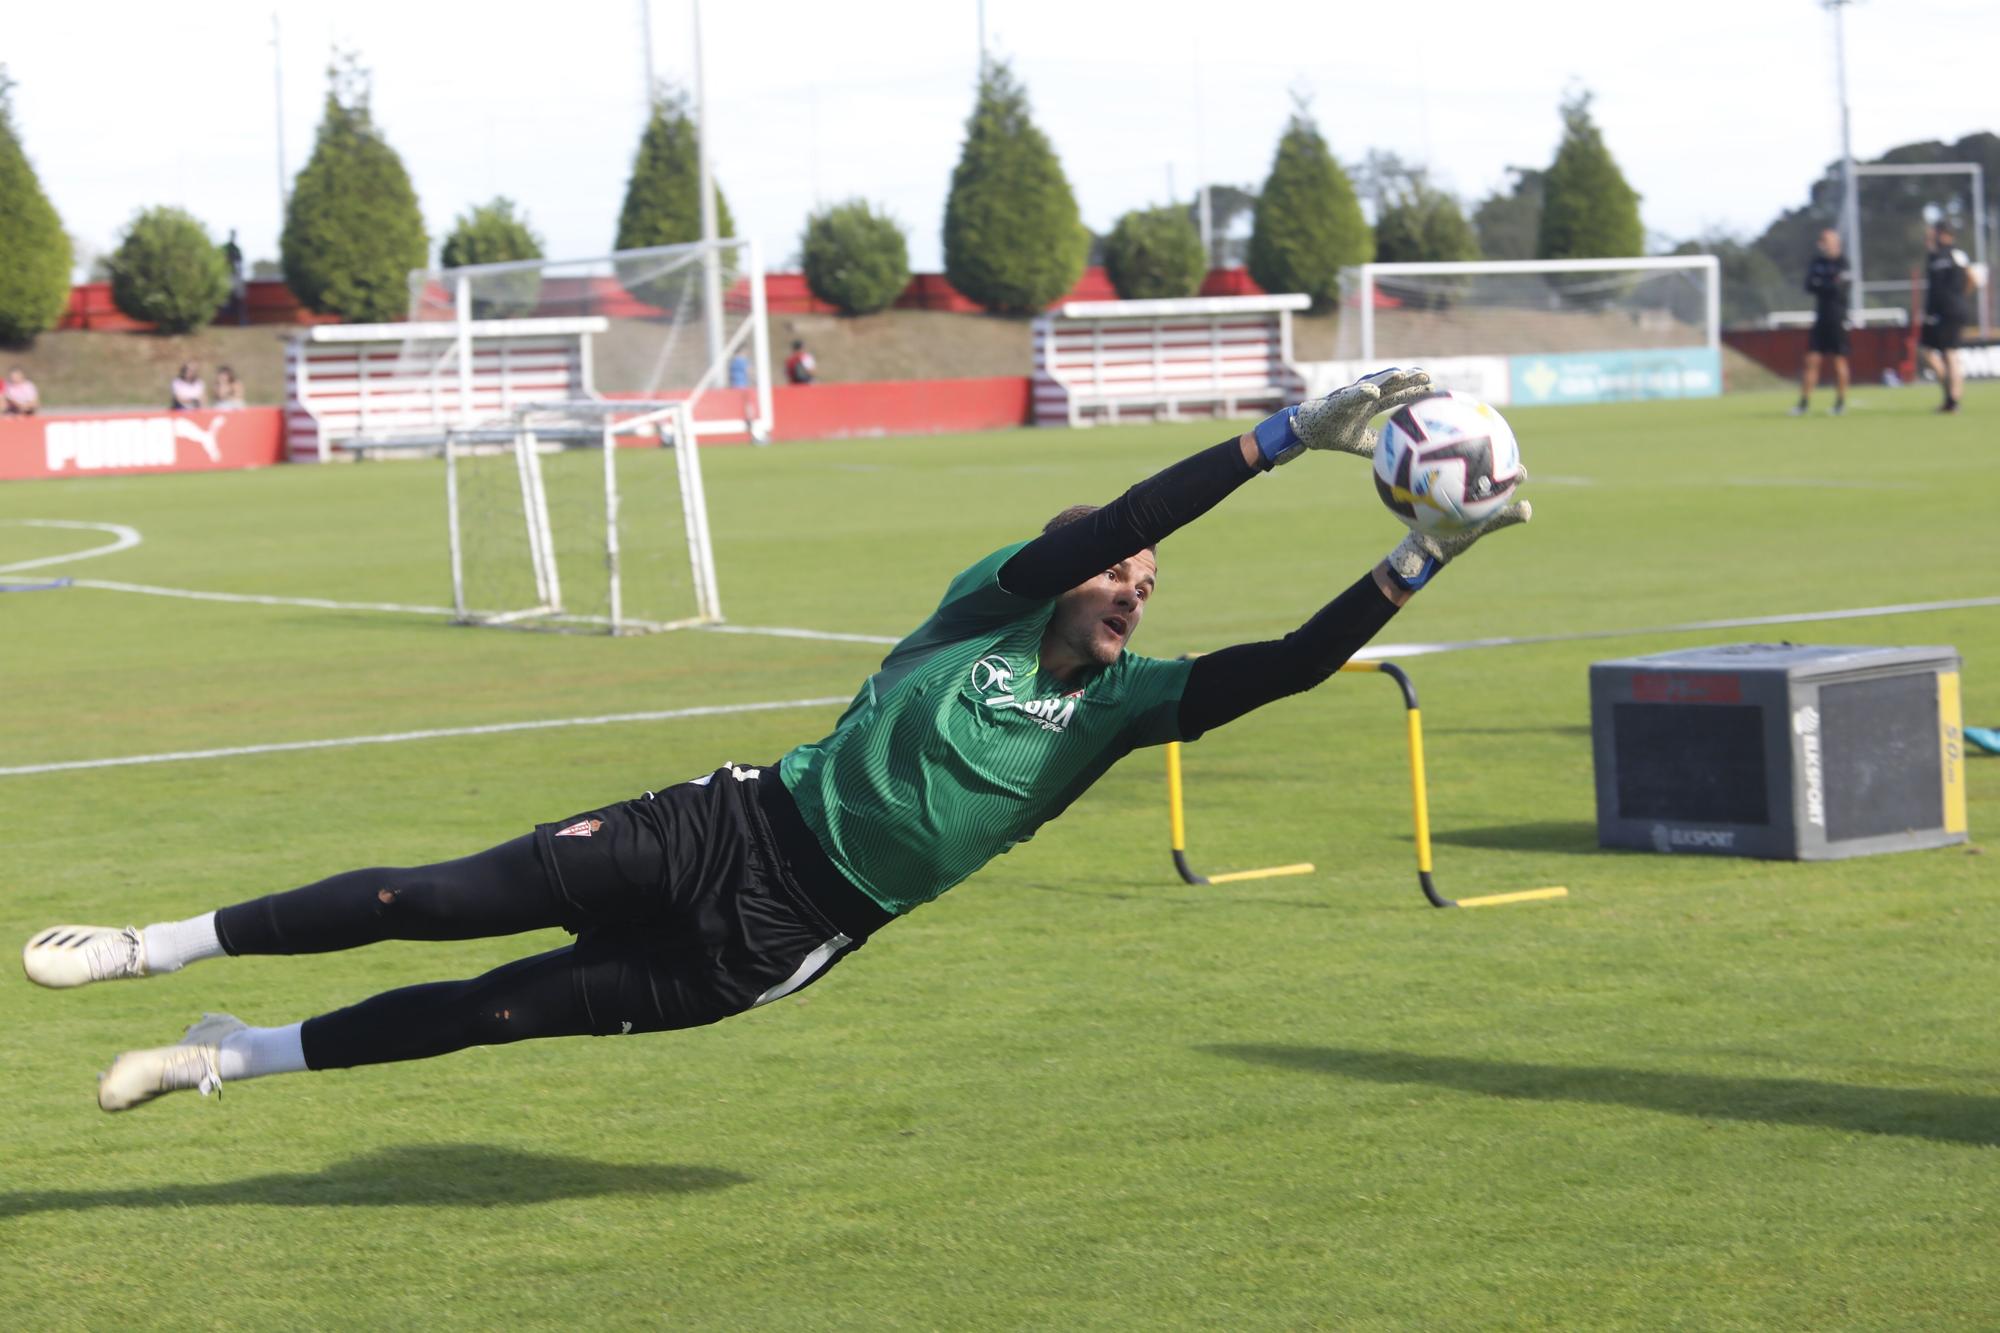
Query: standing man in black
pixel 1947 303
pixel 1827 279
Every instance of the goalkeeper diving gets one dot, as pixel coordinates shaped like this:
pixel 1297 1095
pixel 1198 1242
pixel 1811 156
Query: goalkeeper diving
pixel 714 896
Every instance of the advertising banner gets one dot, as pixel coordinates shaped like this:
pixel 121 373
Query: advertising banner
pixel 1613 377
pixel 123 443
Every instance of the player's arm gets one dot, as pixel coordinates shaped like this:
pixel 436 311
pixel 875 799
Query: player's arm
pixel 1225 685
pixel 1146 514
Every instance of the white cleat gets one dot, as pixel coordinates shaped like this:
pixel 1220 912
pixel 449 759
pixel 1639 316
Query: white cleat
pixel 65 956
pixel 196 1062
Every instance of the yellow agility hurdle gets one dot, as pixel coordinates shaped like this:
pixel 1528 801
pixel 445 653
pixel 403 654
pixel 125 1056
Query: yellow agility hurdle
pixel 1420 800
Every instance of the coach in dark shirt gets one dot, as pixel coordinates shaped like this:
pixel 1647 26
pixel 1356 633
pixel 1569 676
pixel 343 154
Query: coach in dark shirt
pixel 1826 278
pixel 1947 305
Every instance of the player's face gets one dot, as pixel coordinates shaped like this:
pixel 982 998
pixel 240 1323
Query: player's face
pixel 1095 620
pixel 1829 243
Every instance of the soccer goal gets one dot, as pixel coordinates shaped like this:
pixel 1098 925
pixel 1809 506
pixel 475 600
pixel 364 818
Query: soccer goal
pixel 1568 330
pixel 573 479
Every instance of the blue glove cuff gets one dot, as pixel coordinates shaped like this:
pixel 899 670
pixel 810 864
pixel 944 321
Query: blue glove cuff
pixel 1276 436
pixel 1412 581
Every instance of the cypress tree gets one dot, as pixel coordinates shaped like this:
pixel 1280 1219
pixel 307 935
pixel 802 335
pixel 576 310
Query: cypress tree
pixel 1154 253
pixel 168 272
pixel 855 258
pixel 353 231
pixel 1309 224
pixel 1014 239
pixel 663 200
pixel 663 197
pixel 492 233
pixel 34 248
pixel 1588 209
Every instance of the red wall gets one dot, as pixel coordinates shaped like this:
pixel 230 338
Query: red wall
pixel 266 302
pixel 113 444
pixel 1783 351
pixel 882 407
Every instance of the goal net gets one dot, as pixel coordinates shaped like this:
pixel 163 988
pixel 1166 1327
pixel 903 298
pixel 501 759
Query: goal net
pixel 1653 323
pixel 573 395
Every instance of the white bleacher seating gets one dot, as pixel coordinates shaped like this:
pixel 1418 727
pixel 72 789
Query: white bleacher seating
pixel 350 386
pixel 1111 361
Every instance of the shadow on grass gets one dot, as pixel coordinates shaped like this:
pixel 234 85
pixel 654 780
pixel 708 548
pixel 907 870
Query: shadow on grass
pixel 1948 1117
pixel 1547 835
pixel 458 1175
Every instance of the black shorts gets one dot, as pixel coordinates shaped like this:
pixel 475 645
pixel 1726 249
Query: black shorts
pixel 700 901
pixel 1828 338
pixel 1941 333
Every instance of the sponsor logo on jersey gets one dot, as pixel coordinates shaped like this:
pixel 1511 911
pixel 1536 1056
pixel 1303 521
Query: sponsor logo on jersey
pixel 993 678
pixel 582 828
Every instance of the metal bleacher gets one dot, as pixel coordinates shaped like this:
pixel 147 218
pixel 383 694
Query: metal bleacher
pixel 1216 356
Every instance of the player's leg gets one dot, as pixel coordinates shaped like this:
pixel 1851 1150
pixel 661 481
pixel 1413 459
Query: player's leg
pixel 501 891
pixel 1840 377
pixel 1954 379
pixel 1808 381
pixel 532 997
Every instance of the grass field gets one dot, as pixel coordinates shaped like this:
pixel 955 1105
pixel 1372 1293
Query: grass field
pixel 1698 1093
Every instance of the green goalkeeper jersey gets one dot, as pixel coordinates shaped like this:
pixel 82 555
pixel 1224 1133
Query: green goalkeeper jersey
pixel 957 748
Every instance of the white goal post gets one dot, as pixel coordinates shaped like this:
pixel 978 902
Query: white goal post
pixel 1538 330
pixel 525 448
pixel 581 505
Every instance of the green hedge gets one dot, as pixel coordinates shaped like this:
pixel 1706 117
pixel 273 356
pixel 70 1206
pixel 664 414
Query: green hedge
pixel 1153 253
pixel 856 259
pixel 492 233
pixel 168 272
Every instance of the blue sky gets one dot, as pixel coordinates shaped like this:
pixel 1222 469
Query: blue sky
pixel 1720 112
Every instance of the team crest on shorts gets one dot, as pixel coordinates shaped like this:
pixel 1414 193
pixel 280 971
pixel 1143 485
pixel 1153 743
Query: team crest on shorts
pixel 582 828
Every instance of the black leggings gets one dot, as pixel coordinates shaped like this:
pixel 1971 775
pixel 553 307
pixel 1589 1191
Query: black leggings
pixel 502 891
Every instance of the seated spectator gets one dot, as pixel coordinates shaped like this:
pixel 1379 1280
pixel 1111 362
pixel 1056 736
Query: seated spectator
pixel 799 366
pixel 188 391
pixel 22 399
pixel 228 389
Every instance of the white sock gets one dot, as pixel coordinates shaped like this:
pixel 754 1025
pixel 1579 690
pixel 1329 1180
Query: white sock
pixel 172 945
pixel 255 1052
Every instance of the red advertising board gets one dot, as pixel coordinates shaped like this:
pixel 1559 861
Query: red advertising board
pixel 123 443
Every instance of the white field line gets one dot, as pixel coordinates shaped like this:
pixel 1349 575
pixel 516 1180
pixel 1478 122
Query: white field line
pixel 439 733
pixel 1377 651
pixel 403 608
pixel 123 539
pixel 260 599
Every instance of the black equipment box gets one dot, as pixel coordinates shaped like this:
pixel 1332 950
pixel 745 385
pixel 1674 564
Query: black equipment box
pixel 1781 751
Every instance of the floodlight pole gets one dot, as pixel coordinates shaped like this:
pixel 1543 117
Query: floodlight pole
pixel 646 49
pixel 278 87
pixel 1851 211
pixel 711 260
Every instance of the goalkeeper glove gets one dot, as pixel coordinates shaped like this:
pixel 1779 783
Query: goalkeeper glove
pixel 1340 419
pixel 1421 555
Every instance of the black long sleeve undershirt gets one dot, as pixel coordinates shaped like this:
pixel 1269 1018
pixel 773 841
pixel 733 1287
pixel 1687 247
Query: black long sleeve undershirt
pixel 1225 685
pixel 1055 562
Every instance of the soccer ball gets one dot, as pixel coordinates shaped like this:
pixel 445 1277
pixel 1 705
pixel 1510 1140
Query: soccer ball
pixel 1447 463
